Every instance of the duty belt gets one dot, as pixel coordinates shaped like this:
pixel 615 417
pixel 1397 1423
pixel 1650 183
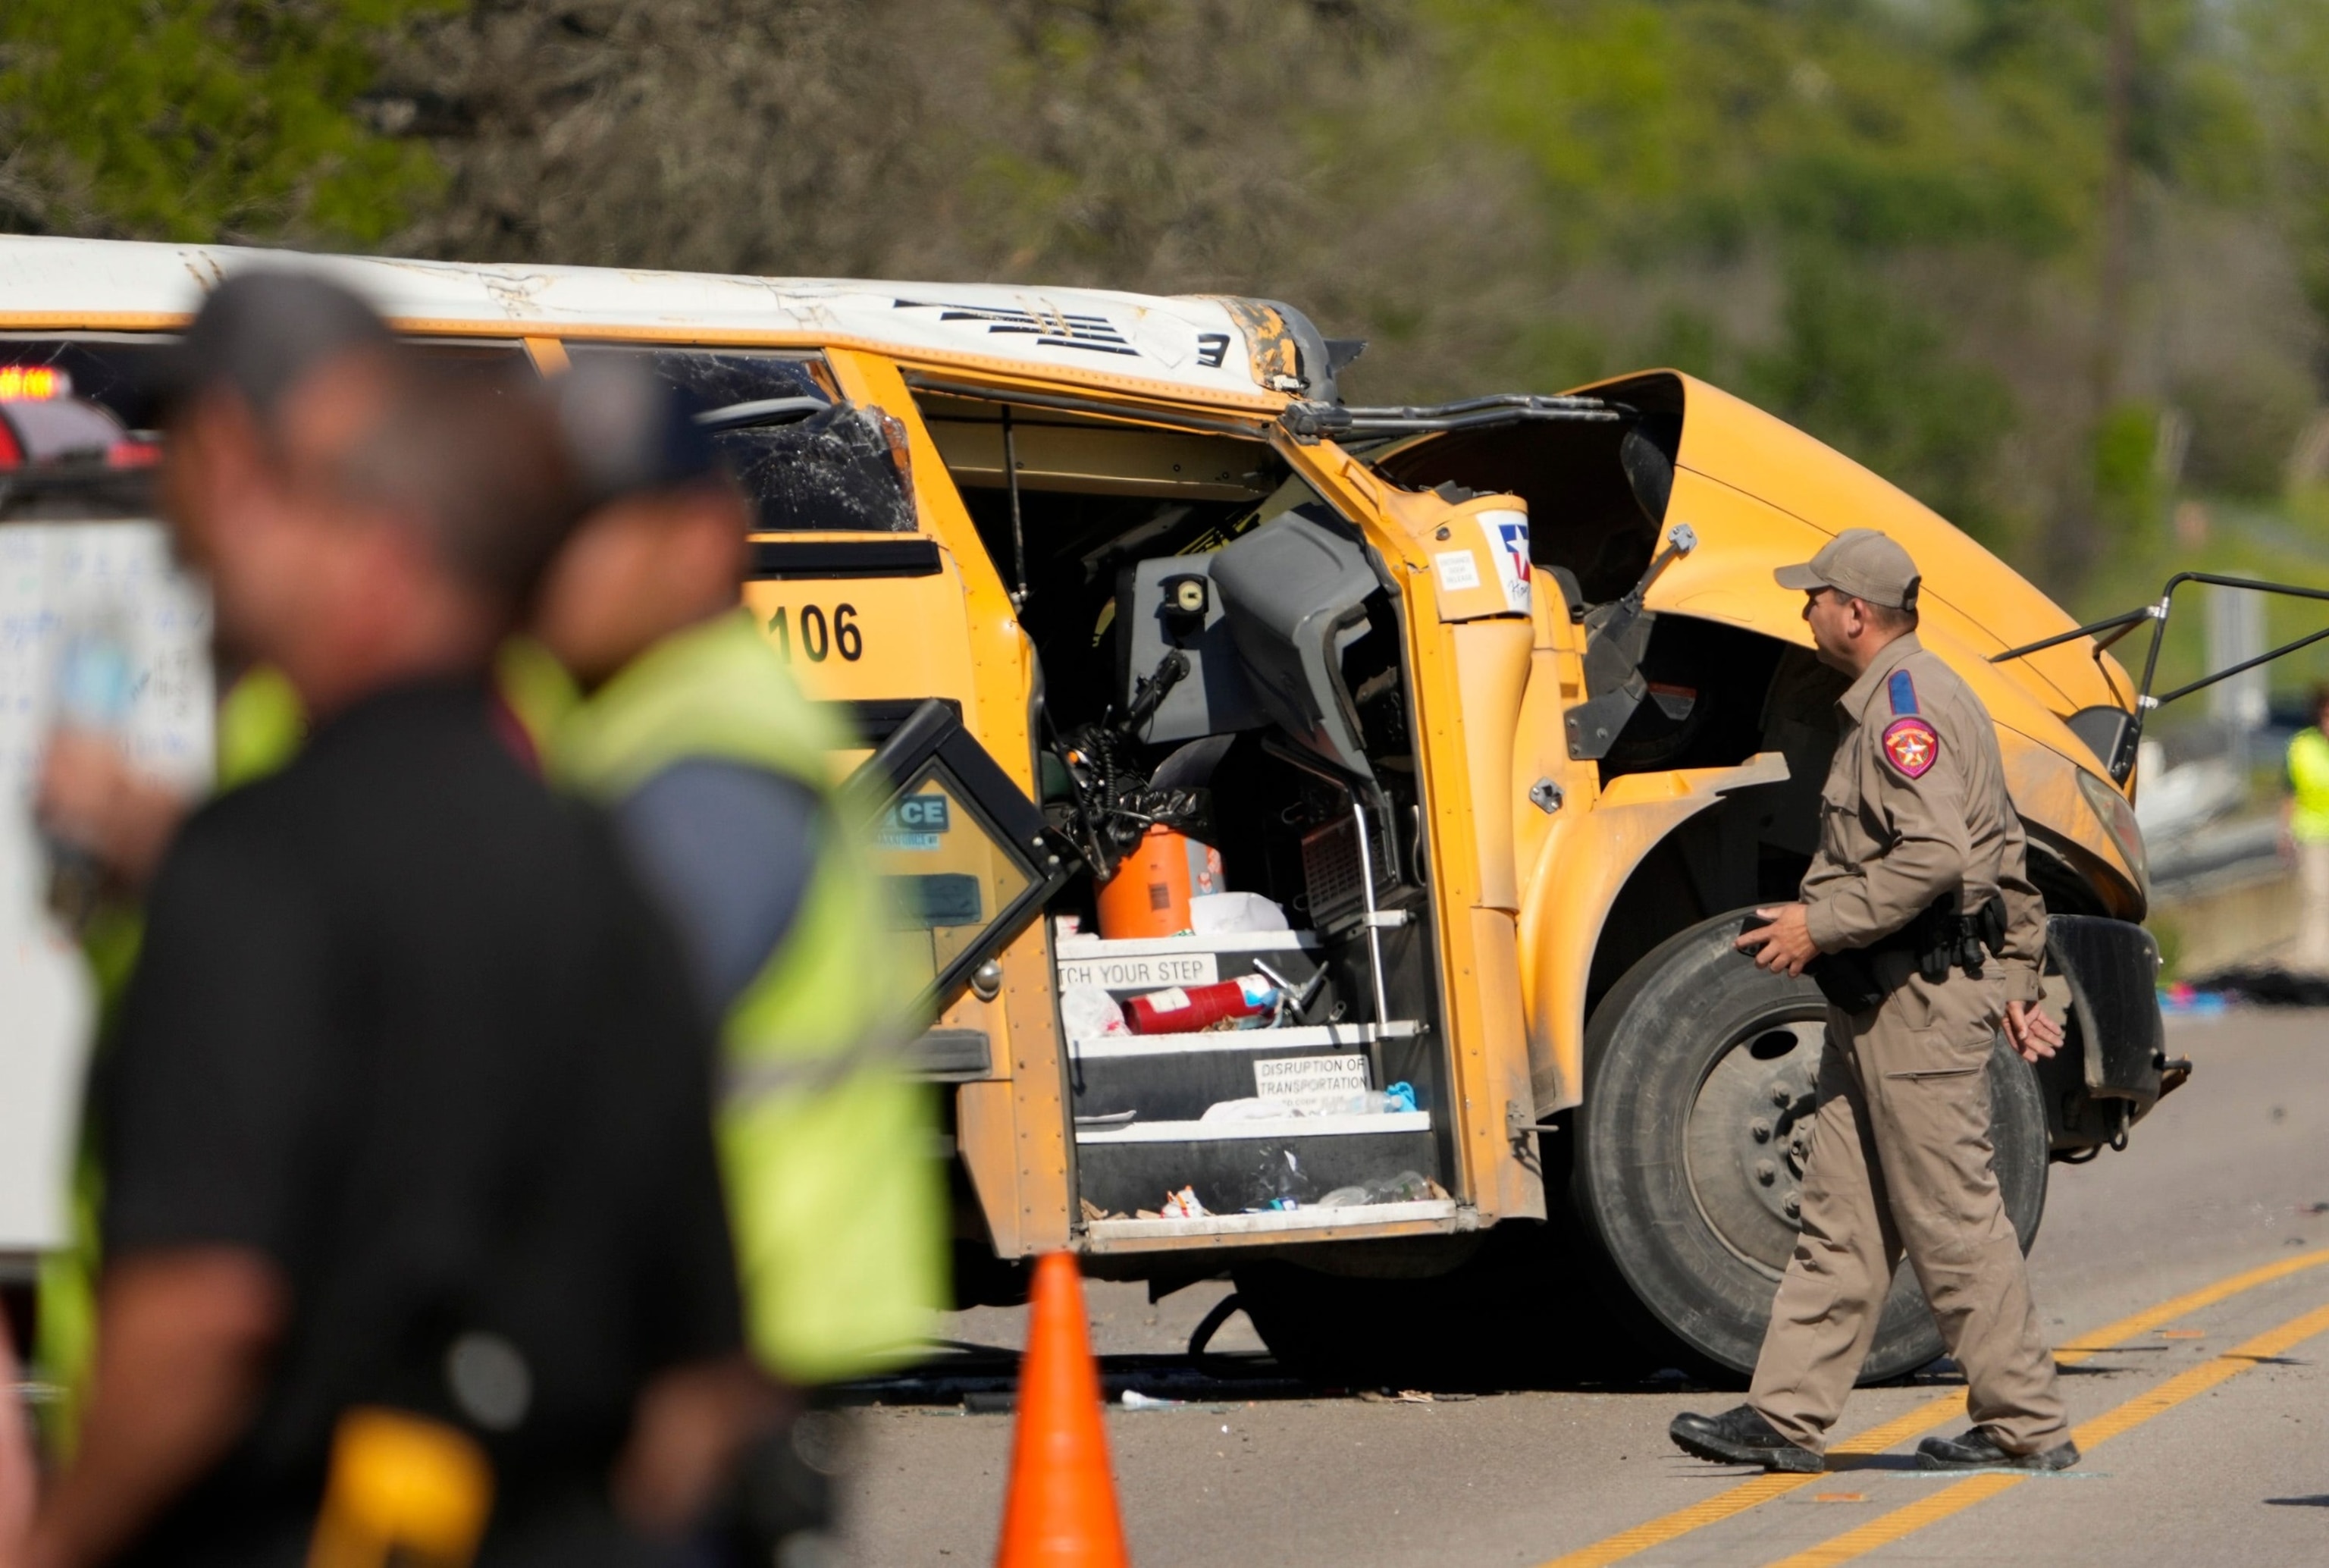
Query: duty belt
pixel 1940 937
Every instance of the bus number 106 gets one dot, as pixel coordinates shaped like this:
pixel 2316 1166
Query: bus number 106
pixel 820 639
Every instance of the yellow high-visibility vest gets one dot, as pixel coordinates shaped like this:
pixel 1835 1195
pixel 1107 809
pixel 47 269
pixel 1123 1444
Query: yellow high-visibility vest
pixel 2308 775
pixel 836 1202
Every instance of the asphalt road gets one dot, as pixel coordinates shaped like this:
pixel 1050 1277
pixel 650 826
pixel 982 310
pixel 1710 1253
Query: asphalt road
pixel 2203 1421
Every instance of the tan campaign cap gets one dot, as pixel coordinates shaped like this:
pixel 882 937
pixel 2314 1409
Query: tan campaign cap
pixel 1861 563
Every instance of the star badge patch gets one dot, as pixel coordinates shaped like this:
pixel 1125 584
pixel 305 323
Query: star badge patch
pixel 1911 746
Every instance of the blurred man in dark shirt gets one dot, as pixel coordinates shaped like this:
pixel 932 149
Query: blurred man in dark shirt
pixel 410 1105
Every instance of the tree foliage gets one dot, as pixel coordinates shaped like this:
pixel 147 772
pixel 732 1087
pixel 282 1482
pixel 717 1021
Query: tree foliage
pixel 1990 247
pixel 2287 56
pixel 200 119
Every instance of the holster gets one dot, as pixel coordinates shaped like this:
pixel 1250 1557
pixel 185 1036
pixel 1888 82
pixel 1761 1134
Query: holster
pixel 1939 938
pixel 1847 979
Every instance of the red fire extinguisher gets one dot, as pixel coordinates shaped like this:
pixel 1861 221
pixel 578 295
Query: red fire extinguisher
pixel 1248 1001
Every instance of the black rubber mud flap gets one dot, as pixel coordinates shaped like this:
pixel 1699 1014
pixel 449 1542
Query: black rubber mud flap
pixel 2107 1076
pixel 1685 1215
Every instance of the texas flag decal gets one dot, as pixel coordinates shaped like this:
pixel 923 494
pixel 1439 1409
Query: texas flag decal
pixel 1910 746
pixel 1508 545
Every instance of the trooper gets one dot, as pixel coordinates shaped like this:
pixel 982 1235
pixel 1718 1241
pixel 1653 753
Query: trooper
pixel 1920 923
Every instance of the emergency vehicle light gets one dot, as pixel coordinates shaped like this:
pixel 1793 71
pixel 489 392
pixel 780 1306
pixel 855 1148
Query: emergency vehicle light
pixel 37 383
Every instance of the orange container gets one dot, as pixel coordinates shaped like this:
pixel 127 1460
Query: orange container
pixel 1149 894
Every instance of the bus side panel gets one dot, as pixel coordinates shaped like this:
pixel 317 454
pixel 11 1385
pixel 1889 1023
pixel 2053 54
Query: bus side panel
pixel 1581 869
pixel 1012 1134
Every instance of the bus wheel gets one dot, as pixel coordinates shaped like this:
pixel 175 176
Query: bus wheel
pixel 1699 1076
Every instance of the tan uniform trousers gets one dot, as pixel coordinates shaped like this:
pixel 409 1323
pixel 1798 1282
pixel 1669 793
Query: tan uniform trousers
pixel 1899 1162
pixel 2312 953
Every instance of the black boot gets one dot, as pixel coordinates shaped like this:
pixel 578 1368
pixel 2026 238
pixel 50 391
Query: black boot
pixel 1742 1437
pixel 1978 1450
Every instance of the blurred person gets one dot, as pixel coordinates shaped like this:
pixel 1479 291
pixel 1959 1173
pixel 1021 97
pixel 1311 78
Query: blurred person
pixel 19 1472
pixel 2308 831
pixel 719 776
pixel 225 384
pixel 89 796
pixel 408 1104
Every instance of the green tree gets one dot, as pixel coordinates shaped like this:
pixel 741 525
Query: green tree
pixel 1858 361
pixel 1931 231
pixel 1988 247
pixel 202 119
pixel 2288 65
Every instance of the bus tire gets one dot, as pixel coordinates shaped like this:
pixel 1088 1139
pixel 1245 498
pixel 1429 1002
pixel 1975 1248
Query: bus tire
pixel 1685 1160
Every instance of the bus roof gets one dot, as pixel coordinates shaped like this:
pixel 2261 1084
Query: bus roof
pixel 1214 347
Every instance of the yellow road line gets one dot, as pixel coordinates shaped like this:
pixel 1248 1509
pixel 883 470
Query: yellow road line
pixel 1751 1494
pixel 1935 1412
pixel 2144 1322
pixel 1963 1495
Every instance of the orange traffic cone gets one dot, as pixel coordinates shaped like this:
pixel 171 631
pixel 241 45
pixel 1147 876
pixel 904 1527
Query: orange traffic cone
pixel 1060 1510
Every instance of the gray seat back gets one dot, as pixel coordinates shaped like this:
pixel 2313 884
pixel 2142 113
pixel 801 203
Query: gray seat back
pixel 1213 698
pixel 1294 595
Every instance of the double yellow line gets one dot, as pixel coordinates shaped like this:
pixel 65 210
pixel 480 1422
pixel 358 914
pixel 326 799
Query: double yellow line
pixel 1965 1494
pixel 1962 1495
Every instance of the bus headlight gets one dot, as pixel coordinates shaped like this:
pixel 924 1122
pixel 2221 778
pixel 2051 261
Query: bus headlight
pixel 2118 821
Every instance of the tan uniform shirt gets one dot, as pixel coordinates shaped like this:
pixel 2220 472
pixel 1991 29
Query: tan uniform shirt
pixel 1916 806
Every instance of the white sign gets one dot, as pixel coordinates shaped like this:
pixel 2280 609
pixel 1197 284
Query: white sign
pixel 1508 547
pixel 1147 972
pixel 1456 569
pixel 1313 1085
pixel 59 581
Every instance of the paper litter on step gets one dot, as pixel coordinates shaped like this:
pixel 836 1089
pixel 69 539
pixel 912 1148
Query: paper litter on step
pixel 1183 1205
pixel 1090 1013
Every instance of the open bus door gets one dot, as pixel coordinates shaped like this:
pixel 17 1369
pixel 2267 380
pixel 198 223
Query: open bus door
pixel 966 857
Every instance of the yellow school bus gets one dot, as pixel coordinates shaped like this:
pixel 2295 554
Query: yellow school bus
pixel 1492 708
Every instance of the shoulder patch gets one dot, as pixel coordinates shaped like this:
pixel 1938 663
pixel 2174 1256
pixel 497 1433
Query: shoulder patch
pixel 1902 691
pixel 1911 746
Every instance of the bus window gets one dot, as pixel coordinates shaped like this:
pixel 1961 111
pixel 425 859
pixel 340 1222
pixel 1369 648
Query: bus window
pixel 808 461
pixel 119 370
pixel 112 371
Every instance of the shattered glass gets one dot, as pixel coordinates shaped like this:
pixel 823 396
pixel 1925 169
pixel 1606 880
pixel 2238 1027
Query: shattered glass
pixel 839 470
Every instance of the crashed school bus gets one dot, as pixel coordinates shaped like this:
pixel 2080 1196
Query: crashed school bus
pixel 1496 702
